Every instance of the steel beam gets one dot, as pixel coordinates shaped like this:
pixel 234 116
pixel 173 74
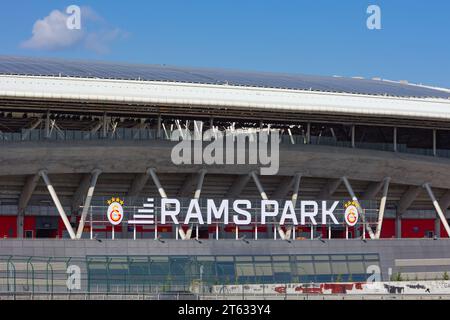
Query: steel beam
pixel 87 202
pixel 94 129
pixel 57 203
pixel 441 214
pixel 33 126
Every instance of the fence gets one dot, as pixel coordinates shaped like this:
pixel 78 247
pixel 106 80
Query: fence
pixel 168 275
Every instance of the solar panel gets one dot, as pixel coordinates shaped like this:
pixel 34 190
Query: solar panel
pixel 110 70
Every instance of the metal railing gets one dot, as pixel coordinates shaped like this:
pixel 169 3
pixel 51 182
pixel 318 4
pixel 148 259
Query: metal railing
pixel 152 134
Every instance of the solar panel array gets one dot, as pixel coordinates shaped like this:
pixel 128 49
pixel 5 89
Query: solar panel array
pixel 10 65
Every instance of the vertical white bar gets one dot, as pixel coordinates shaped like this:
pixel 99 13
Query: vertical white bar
pixel 353 136
pixel 196 231
pixel 312 231
pixel 177 228
pixel 256 231
pixel 92 227
pixel 217 231
pixel 134 232
pixel 437 207
pixel 364 232
pixel 293 233
pixel 346 232
pixel 237 233
pixel 329 231
pixel 395 139
pixel 274 232
pixel 156 228
pixel 112 233
pixel 434 142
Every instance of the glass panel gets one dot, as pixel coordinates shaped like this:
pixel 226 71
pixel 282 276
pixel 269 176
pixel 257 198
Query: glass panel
pixel 305 268
pixel 225 258
pixel 355 257
pixel 245 269
pixel 323 268
pixel 244 258
pixel 356 267
pixel 321 258
pixel 338 257
pixel 304 258
pixel 280 258
pixel 262 258
pixel 263 269
pixel 339 268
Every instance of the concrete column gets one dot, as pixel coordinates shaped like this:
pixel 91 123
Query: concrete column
pixel 158 129
pixel 87 202
pixel 382 207
pixel 105 126
pixel 437 227
pixel 57 203
pixel 353 136
pixel 201 177
pixel 361 213
pixel 398 226
pixel 437 207
pixel 25 196
pixel 308 133
pixel 264 197
pixel 238 186
pixel 33 126
pixel 434 143
pixel 395 139
pixel 47 125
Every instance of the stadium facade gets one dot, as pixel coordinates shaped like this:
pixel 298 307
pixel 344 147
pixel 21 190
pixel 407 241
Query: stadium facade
pixel 75 135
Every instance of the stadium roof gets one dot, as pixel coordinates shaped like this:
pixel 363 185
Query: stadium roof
pixel 10 65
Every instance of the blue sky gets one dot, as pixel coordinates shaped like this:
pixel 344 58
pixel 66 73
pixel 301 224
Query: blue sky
pixel 323 37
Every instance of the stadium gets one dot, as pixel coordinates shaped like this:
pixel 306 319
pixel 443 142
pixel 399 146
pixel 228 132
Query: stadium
pixel 77 136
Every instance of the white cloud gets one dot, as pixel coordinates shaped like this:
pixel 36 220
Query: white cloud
pixel 51 33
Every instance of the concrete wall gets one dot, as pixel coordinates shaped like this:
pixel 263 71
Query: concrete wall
pixel 136 156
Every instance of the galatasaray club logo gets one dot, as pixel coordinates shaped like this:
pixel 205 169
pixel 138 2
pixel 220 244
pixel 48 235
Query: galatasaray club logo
pixel 115 211
pixel 351 213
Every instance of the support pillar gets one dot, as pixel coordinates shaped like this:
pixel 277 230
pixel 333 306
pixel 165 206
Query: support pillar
pixel 198 191
pixel 437 207
pixel 25 196
pixel 57 203
pixel 264 197
pixel 382 207
pixel 87 202
pixel 361 213
pixel 398 226
pixel 437 227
